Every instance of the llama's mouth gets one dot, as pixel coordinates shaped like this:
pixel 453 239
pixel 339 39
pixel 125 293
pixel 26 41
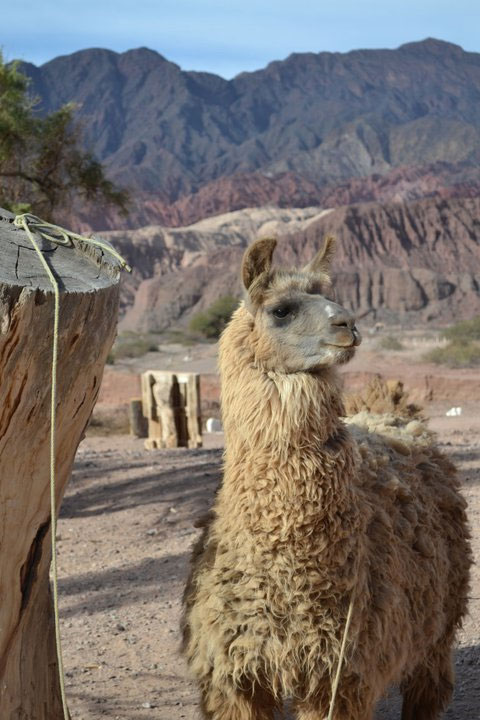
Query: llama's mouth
pixel 344 354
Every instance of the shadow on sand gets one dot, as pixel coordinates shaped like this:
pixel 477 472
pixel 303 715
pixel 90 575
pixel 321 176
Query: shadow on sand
pixel 146 483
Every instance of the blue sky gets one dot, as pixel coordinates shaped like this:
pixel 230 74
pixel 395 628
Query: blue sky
pixel 234 35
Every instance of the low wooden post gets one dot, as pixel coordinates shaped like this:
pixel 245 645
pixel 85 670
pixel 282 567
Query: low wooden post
pixel 137 421
pixel 29 685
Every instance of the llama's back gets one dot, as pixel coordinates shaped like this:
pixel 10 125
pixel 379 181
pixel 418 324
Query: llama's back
pixel 415 488
pixel 383 396
pixel 418 528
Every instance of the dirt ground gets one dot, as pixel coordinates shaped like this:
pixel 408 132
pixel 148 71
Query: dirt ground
pixel 126 530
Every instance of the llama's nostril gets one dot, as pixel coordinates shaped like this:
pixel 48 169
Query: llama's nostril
pixel 342 322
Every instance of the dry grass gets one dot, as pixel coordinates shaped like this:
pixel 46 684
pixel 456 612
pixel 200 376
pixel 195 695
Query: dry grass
pixel 456 354
pixel 111 421
pixel 463 349
pixel 132 345
pixel 390 342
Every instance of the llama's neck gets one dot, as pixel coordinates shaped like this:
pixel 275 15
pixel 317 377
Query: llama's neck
pixel 289 461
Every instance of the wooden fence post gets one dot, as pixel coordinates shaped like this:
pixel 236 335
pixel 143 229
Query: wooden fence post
pixel 29 686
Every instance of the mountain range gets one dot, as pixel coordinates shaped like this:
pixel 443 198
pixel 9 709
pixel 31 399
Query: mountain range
pixel 379 147
pixel 313 129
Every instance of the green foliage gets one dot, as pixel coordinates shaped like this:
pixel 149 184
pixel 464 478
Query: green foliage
pixel 466 330
pixel 212 321
pixel 390 342
pixel 16 119
pixel 455 354
pixel 42 166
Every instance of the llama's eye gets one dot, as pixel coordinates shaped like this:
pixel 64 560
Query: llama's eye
pixel 282 312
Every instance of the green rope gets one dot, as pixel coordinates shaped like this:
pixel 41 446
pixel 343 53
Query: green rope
pixel 59 236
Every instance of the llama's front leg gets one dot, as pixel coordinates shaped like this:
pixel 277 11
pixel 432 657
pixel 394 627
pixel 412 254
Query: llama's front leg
pixel 219 704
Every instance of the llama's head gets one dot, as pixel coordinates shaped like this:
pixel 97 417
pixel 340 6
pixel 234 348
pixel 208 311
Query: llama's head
pixel 297 327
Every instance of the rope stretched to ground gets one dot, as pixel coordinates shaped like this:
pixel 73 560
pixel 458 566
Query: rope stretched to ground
pixel 58 235
pixel 341 658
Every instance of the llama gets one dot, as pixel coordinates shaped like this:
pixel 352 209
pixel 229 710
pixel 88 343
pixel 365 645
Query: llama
pixel 317 515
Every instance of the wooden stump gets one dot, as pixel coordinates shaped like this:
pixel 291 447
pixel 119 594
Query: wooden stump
pixel 89 281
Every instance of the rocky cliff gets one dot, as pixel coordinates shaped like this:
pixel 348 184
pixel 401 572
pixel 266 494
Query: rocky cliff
pixel 400 263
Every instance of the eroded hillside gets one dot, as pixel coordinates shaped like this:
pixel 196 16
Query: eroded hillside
pixel 395 262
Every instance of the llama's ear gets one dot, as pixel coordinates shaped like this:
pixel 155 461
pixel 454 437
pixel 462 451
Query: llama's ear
pixel 322 260
pixel 257 260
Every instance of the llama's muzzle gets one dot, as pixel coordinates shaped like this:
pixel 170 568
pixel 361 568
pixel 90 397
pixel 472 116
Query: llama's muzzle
pixel 342 323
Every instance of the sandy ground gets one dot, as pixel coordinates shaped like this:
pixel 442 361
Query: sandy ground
pixel 126 530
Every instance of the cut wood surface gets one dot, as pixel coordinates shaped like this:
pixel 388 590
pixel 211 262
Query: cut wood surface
pixel 89 286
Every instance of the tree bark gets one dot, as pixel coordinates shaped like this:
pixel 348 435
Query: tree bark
pixel 89 281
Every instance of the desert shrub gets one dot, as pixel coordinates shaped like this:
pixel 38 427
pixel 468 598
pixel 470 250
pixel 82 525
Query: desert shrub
pixel 466 330
pixel 212 321
pixel 455 354
pixel 390 342
pixel 132 345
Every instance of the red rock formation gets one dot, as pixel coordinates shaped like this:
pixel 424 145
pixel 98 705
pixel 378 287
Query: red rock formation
pixel 396 262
